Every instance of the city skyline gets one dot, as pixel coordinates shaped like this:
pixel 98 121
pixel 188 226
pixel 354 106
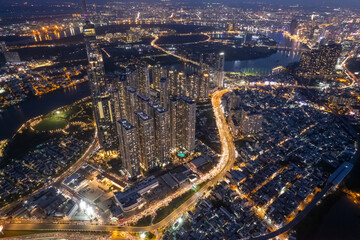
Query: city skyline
pixel 346 3
pixel 180 119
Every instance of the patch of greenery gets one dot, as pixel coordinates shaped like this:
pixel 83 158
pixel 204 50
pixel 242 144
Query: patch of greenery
pixel 50 124
pixel 115 164
pixel 145 221
pixel 163 212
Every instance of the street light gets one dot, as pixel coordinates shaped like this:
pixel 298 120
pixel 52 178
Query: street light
pixel 143 235
pixel 82 205
pixel 1 228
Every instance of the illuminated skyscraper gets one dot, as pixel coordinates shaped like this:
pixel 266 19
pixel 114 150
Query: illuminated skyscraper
pixel 143 80
pixel 316 36
pixel 131 106
pixel 236 27
pixel 182 123
pixel 128 146
pixel 142 103
pixel 188 120
pixel 197 86
pixel 157 73
pixel 106 122
pixel 162 134
pixel 182 84
pixel 119 96
pixel 192 85
pixel 219 70
pixel 131 76
pixel 174 122
pixel 172 81
pixel 146 141
pixel 177 82
pixel 293 26
pixel 235 100
pixel 244 122
pixel 204 86
pixel 164 93
pixel 104 111
pixel 230 26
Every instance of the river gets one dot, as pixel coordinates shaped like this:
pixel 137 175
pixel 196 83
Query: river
pixel 17 40
pixel 264 66
pixel 340 222
pixel 13 117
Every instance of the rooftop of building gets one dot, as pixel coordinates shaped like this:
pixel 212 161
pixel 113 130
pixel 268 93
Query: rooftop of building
pixel 159 109
pixel 142 115
pixel 126 124
pixel 143 97
pixel 131 89
pixel 187 100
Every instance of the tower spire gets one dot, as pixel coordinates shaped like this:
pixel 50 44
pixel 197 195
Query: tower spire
pixel 85 12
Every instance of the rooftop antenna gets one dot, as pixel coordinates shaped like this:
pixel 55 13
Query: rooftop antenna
pixel 85 12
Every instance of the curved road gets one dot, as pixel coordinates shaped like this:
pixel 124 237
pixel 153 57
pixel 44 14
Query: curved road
pixel 153 44
pixel 184 207
pixel 57 181
pixel 298 217
pixel 187 43
pixel 225 163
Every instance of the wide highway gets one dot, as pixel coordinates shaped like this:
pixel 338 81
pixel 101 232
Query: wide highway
pixel 153 44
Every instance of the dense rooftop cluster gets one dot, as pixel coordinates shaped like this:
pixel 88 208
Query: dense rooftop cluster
pixel 278 172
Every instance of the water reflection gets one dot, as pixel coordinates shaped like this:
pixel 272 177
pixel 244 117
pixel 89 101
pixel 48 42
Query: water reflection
pixel 57 34
pixel 264 66
pixel 13 117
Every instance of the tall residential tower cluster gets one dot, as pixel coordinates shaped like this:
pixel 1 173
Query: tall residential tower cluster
pixel 102 104
pixel 154 123
pixel 145 111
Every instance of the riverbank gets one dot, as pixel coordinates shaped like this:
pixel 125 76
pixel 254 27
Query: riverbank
pixel 337 217
pixel 39 149
pixel 15 116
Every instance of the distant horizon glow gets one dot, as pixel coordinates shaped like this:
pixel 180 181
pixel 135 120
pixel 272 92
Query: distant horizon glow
pixel 292 3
